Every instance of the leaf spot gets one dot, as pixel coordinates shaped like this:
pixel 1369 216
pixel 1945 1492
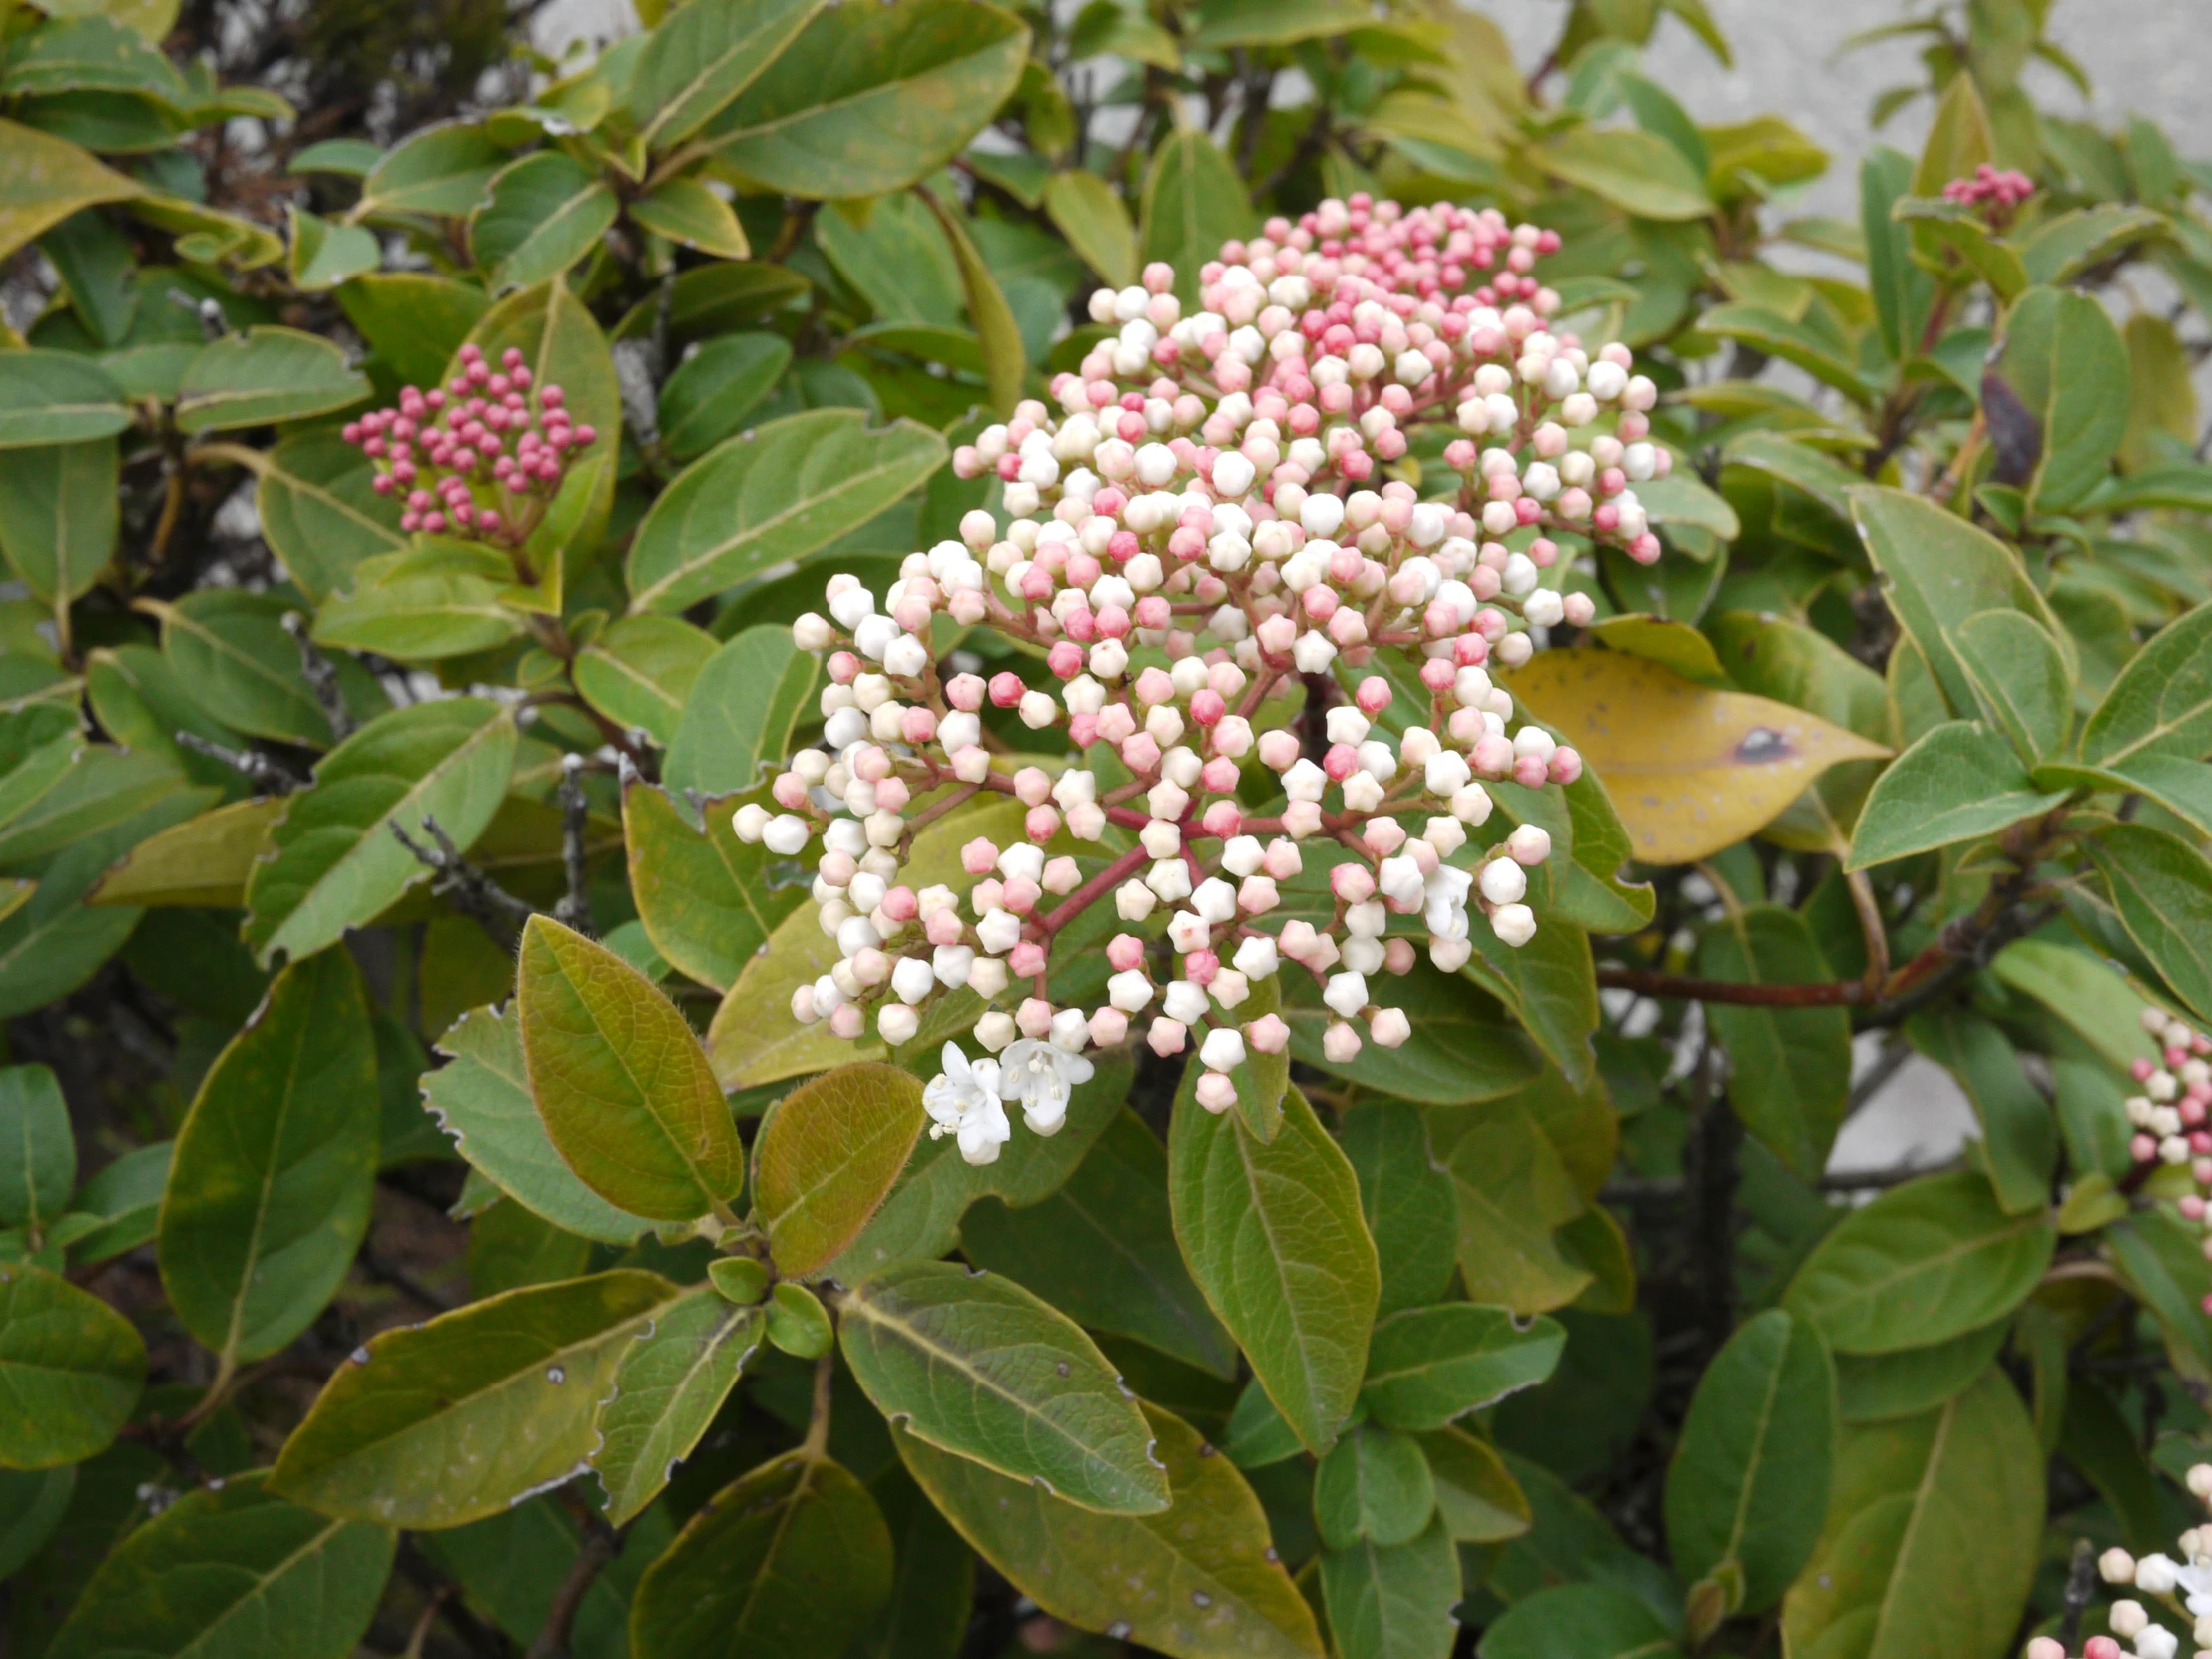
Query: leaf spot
pixel 1762 745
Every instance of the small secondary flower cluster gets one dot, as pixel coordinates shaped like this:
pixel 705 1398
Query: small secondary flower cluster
pixel 2003 189
pixel 441 467
pixel 1192 529
pixel 2183 1588
pixel 2170 1114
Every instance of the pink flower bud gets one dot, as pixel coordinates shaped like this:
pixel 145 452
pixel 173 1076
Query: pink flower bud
pixel 1353 884
pixel 1166 1037
pixel 1374 694
pixel 1219 776
pixel 1221 819
pixel 979 857
pixel 1201 967
pixel 1025 961
pixel 1041 824
pixel 1006 689
pixel 943 927
pixel 1267 1034
pixel 1139 753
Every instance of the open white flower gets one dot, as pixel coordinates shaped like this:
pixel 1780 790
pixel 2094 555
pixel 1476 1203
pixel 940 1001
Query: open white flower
pixel 1039 1075
pixel 1445 903
pixel 963 1100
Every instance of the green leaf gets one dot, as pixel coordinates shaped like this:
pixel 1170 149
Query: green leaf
pixel 2020 1135
pixel 49 397
pixel 1393 1603
pixel 640 672
pixel 792 1559
pixel 333 863
pixel 1460 1050
pixel 702 895
pixel 1102 1249
pixel 1789 1068
pixel 933 1590
pixel 1477 1495
pixel 1580 1621
pixel 545 212
pixel 1803 342
pixel 324 253
pixel 275 1170
pixel 797 1322
pixel 716 387
pixel 1196 1581
pixel 261 376
pixel 827 1156
pixel 1958 142
pixel 2161 704
pixel 38 1152
pixel 1407 1198
pixel 2022 679
pixel 1259 1078
pixel 1900 288
pixel 440 598
pixel 229 646
pixel 2065 362
pixel 319 511
pixel 866 101
pixel 1960 782
pixel 2099 1441
pixel 667 1391
pixel 2084 990
pixel 1193 202
pixel 1512 1192
pixel 1923 1262
pixel 1873 1388
pixel 225 1568
pixel 742 708
pixel 687 210
pixel 482 1099
pixel 71 1368
pixel 415 321
pixel 32 1504
pixel 701 57
pixel 977 1365
pixel 622 1084
pixel 922 1216
pixel 1006 364
pixel 50 179
pixel 1549 984
pixel 59 516
pixel 1937 570
pixel 1089 212
pixel 1933 1533
pixel 102 789
pixel 1427 1367
pixel 441 170
pixel 1632 168
pixel 2162 888
pixel 1748 1487
pixel 1226 23
pixel 437 1424
pixel 772 495
pixel 1274 1237
pixel 1374 1485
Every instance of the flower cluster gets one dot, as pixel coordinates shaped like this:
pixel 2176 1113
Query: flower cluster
pixel 2170 1114
pixel 490 435
pixel 2182 1588
pixel 1999 190
pixel 1193 540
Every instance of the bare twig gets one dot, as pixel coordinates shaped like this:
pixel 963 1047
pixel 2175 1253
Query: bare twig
pixel 2082 1580
pixel 480 1639
pixel 1885 1066
pixel 602 1543
pixel 464 886
pixel 574 909
pixel 267 773
pixel 322 678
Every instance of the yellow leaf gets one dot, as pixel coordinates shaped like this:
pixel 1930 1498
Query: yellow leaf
pixel 1690 770
pixel 48 179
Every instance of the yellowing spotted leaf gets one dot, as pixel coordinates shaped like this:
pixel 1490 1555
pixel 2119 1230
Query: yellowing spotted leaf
pixel 1690 770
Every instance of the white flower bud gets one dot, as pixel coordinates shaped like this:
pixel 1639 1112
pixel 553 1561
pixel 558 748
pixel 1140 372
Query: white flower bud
pixel 1515 924
pixel 1503 882
pixel 1223 1049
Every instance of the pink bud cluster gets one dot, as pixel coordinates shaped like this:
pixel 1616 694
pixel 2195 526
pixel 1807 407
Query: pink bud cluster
pixel 489 436
pixel 2170 1114
pixel 2180 1585
pixel 1320 346
pixel 1999 190
pixel 1179 556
